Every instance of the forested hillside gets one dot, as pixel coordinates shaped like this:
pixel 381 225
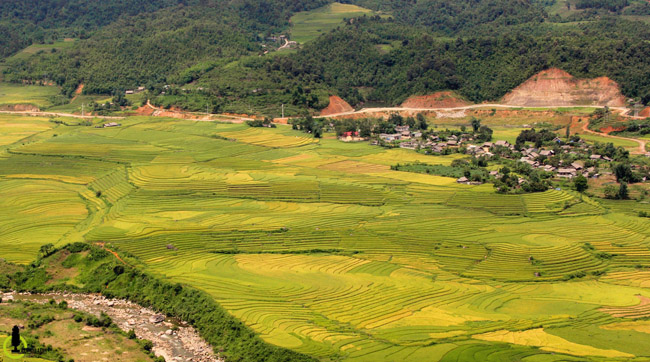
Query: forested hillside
pixel 481 49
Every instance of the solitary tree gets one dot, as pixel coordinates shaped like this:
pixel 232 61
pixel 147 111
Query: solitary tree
pixel 622 192
pixel 580 183
pixel 476 124
pixel 422 122
pixel 15 338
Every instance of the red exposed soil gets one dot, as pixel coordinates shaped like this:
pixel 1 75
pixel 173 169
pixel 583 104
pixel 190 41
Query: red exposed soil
pixel 284 120
pixel 384 114
pixel 610 129
pixel 145 111
pixel 102 245
pixel 581 125
pixel 19 108
pixel 555 87
pixel 79 89
pixel 645 112
pixel 337 105
pixel 435 100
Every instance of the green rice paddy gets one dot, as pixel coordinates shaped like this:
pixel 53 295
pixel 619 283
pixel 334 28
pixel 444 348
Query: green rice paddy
pixel 36 95
pixel 627 144
pixel 320 247
pixel 309 25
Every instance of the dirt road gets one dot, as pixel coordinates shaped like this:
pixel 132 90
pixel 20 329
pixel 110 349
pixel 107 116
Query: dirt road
pixel 640 151
pixel 195 116
pixel 56 114
pixel 157 112
pixel 473 106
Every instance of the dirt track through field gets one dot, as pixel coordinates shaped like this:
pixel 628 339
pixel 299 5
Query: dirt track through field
pixel 640 151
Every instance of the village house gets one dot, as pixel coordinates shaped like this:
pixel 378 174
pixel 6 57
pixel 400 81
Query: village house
pixel 351 136
pixel 111 124
pixel 409 145
pixel 390 137
pixel 400 129
pixel 502 143
pixel 566 172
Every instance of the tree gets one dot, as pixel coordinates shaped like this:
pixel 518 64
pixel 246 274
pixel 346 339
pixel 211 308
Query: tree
pixel 610 192
pixel 622 192
pixel 15 338
pixel 476 123
pixel 410 121
pixel 580 183
pixel 484 133
pixel 422 122
pixel 624 173
pixel 46 250
pixel 396 119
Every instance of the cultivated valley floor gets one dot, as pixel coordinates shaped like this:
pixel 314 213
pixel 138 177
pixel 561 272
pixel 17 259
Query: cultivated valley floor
pixel 320 247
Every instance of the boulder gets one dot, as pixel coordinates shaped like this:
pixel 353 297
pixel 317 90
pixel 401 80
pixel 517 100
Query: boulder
pixel 158 318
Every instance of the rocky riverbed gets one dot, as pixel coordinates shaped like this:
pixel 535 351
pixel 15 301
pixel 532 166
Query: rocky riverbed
pixel 172 339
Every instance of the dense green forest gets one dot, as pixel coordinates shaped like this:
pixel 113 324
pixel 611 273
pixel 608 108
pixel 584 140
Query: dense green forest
pixel 479 48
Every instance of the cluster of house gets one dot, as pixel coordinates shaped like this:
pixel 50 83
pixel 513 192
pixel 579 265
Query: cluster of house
pixel 567 171
pixel 402 133
pixel 531 155
pixel 285 43
pixel 134 91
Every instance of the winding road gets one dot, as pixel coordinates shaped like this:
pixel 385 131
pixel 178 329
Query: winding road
pixel 463 108
pixel 641 150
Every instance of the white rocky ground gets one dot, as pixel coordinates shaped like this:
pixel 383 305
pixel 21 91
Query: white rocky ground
pixel 174 340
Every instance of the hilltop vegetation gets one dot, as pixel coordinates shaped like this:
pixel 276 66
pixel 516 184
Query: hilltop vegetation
pixel 481 50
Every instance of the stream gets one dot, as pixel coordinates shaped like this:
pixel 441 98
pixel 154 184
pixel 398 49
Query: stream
pixel 172 339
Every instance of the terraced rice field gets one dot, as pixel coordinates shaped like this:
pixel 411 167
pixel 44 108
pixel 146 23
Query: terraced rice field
pixel 320 247
pixel 308 25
